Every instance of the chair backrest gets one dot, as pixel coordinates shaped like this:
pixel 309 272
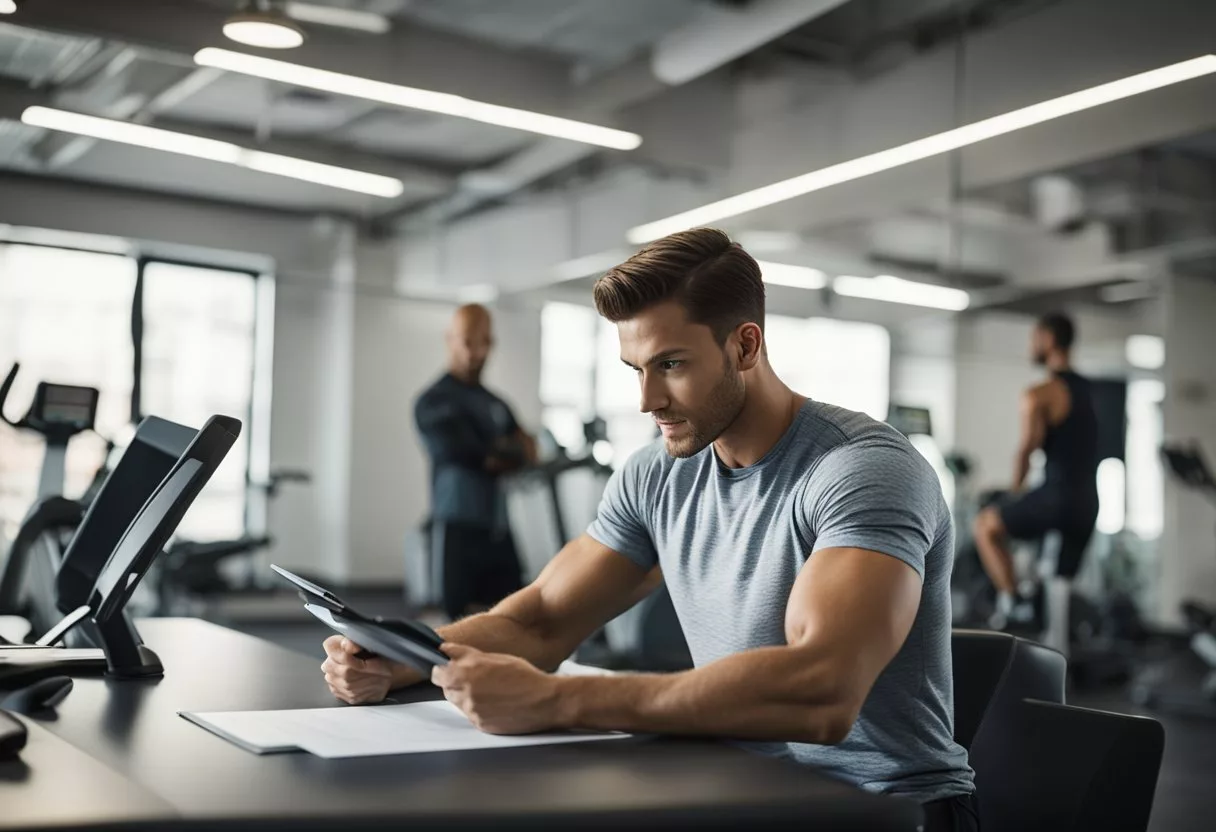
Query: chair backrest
pixel 993 672
pixel 1040 764
pixel 1059 767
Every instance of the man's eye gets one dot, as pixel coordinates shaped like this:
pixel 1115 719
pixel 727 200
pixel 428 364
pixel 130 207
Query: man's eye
pixel 670 364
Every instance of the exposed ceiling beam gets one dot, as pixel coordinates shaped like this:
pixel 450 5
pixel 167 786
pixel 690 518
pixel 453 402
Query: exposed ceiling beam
pixel 409 54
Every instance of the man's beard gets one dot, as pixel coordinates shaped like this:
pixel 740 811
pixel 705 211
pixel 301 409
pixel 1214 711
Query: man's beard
pixel 725 403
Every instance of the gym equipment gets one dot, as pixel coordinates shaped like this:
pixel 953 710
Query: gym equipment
pixel 58 412
pixel 1151 689
pixel 190 578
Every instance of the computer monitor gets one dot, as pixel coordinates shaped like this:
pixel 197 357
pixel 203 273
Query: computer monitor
pixel 126 656
pixel 147 460
pixel 160 516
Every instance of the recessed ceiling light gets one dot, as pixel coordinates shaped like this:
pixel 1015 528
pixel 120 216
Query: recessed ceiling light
pixel 8 6
pixel 259 24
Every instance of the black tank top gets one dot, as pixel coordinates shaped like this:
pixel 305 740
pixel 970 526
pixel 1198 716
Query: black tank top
pixel 1071 447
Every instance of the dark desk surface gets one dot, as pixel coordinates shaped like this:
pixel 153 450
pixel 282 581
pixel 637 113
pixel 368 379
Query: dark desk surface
pixel 132 728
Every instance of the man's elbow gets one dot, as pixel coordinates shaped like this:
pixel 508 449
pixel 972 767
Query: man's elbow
pixel 831 725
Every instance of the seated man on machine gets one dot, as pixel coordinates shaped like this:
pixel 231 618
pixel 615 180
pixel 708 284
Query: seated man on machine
pixel 807 550
pixel 1058 417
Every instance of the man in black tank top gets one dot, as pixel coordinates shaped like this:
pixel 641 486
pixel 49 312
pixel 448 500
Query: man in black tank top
pixel 1058 416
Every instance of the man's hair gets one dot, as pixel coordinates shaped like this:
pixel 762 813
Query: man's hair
pixel 716 282
pixel 1061 327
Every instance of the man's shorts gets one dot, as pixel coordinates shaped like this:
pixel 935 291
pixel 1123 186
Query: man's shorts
pixel 1032 514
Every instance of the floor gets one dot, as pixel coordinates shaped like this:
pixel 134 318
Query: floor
pixel 1186 786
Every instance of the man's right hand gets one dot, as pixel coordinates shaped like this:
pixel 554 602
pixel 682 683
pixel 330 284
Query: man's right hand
pixel 353 680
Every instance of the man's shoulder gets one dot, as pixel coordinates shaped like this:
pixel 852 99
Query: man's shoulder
pixel 831 427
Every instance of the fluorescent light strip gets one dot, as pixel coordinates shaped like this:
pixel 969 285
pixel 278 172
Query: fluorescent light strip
pixel 925 148
pixel 415 99
pixel 892 289
pixel 170 141
pixel 338 17
pixel 799 277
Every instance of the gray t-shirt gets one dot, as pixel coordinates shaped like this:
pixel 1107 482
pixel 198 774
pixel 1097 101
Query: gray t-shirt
pixel 732 541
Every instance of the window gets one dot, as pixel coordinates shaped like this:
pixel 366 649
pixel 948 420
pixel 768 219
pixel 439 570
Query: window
pixel 582 374
pixel 198 359
pixel 567 371
pixel 66 316
pixel 845 363
pixel 1145 481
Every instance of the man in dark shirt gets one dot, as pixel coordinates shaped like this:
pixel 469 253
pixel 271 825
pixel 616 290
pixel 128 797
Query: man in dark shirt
pixel 473 439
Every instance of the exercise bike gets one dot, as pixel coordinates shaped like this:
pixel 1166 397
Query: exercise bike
pixel 58 412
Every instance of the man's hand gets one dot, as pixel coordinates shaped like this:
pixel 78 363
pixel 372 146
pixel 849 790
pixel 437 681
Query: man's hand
pixel 500 694
pixel 353 680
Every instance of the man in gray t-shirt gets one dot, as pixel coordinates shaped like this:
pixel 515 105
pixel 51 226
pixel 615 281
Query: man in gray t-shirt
pixel 807 550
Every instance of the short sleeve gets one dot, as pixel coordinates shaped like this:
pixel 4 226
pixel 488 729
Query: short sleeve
pixel 620 522
pixel 877 494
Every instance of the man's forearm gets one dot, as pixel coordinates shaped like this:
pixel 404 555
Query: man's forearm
pixel 509 628
pixel 770 694
pixel 1021 467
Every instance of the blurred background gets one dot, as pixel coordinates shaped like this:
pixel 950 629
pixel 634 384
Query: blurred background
pixel 194 223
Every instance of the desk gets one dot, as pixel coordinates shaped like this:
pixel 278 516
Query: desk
pixel 132 729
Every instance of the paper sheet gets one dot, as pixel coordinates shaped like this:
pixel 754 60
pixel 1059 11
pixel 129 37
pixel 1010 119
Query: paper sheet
pixel 370 731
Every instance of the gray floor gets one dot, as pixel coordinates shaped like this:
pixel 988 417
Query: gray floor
pixel 1186 787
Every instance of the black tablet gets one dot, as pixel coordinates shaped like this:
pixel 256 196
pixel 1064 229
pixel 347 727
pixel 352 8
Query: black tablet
pixel 408 642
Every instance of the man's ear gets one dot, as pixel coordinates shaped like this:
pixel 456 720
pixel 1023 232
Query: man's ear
pixel 749 345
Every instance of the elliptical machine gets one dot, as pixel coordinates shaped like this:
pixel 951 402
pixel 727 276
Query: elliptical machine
pixel 58 412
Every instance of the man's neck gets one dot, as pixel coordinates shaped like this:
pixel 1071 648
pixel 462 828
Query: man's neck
pixel 1059 363
pixel 465 377
pixel 768 411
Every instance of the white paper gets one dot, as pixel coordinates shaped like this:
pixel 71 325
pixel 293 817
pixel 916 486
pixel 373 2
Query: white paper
pixel 371 731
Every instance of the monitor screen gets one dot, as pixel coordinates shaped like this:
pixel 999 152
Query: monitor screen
pixel 147 460
pixel 910 421
pixel 64 405
pixel 160 516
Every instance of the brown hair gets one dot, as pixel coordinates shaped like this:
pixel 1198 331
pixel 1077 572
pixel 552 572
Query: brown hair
pixel 714 279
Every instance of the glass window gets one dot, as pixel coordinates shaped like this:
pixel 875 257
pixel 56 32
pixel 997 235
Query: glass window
pixel 1145 484
pixel 198 360
pixel 845 363
pixel 567 371
pixel 66 316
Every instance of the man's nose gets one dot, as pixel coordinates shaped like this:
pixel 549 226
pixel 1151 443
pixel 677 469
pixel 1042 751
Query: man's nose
pixel 654 393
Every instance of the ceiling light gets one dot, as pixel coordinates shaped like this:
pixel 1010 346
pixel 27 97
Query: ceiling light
pixel 217 151
pixel 1147 352
pixel 338 17
pixel 892 289
pixel 258 24
pixel 799 277
pixel 8 6
pixel 415 99
pixel 925 148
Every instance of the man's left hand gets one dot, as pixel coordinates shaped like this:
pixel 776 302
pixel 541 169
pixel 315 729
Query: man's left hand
pixel 500 694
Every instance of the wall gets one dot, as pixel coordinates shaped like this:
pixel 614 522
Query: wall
pixel 1188 563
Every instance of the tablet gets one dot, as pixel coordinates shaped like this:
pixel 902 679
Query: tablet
pixel 408 642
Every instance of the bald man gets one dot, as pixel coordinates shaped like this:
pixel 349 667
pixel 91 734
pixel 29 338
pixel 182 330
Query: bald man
pixel 473 439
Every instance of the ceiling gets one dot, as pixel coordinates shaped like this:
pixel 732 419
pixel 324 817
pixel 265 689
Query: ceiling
pixel 1060 211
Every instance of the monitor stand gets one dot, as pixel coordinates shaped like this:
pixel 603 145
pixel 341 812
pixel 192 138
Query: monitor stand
pixel 127 657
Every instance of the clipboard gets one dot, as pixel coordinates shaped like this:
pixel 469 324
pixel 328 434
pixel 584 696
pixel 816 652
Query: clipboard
pixel 408 642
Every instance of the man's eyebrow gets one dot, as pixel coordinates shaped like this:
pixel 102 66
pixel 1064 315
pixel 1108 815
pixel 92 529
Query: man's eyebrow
pixel 665 355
